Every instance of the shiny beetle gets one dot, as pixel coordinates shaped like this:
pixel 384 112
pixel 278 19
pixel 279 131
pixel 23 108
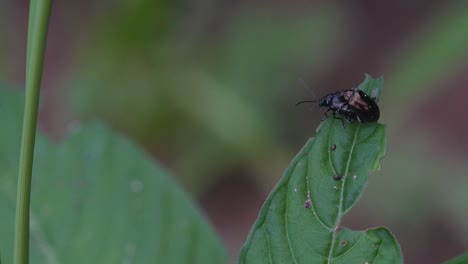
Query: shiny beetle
pixel 353 105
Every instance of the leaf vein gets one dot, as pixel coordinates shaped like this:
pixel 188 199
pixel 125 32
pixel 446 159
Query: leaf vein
pixel 286 225
pixel 312 207
pixel 268 243
pixel 43 245
pixel 340 206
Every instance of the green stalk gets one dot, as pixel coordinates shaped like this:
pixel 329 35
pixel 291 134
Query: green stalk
pixel 37 35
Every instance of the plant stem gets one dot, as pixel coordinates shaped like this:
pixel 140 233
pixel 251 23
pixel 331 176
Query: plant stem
pixel 37 35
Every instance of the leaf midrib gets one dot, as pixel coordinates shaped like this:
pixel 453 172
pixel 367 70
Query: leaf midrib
pixel 340 206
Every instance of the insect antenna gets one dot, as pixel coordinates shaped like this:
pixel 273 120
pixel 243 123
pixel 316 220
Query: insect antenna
pixel 308 101
pixel 307 87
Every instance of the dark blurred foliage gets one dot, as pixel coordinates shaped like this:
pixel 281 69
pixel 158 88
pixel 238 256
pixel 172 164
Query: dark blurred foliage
pixel 209 88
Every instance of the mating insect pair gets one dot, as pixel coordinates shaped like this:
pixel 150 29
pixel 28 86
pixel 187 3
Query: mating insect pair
pixel 352 104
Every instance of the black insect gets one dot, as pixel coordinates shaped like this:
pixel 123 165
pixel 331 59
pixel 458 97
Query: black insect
pixel 352 104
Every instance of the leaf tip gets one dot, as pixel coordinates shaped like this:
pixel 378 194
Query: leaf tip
pixel 372 86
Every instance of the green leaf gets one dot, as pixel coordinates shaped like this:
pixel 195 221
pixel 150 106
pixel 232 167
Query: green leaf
pixel 300 220
pixel 98 196
pixel 462 259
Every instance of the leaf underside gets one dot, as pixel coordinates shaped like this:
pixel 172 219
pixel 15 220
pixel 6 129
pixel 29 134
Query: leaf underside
pixel 300 221
pixel 99 199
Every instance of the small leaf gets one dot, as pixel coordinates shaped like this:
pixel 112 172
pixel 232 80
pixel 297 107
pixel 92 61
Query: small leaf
pixel 300 220
pixel 97 197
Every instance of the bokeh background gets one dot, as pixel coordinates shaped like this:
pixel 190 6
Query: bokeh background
pixel 209 89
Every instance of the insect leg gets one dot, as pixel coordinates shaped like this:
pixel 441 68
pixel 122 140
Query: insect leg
pixel 326 115
pixel 341 119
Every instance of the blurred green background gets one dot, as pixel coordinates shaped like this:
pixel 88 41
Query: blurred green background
pixel 209 89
